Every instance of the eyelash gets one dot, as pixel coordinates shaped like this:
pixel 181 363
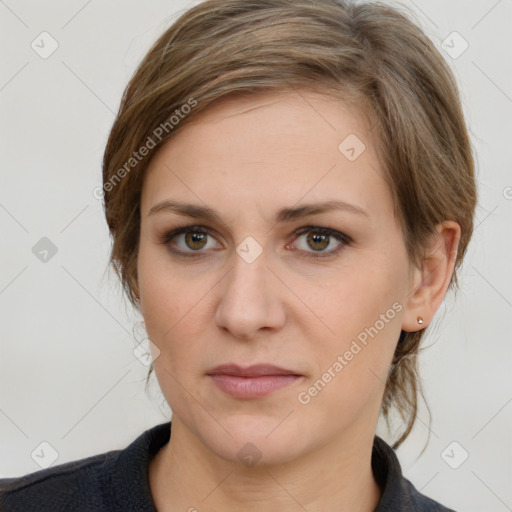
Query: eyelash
pixel 341 237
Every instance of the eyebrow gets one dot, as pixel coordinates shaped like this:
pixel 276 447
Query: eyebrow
pixel 284 215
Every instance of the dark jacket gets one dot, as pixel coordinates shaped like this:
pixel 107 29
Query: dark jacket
pixel 117 481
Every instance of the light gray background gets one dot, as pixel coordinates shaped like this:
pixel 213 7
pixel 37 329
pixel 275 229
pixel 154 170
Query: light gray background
pixel 68 375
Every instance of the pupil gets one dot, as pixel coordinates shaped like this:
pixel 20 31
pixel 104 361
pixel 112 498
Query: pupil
pixel 317 239
pixel 195 238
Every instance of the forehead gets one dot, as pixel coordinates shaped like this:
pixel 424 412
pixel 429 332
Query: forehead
pixel 269 148
pixel 271 121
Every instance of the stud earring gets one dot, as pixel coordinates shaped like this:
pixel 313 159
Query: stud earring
pixel 419 320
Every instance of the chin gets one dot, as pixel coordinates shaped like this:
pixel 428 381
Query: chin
pixel 255 441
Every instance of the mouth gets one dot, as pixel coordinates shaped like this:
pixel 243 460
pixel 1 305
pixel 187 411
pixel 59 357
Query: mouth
pixel 252 382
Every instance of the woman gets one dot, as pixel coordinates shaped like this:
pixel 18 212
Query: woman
pixel 289 187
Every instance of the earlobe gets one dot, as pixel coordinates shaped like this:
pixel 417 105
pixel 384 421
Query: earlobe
pixel 430 282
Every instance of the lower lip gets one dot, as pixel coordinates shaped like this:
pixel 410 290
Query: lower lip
pixel 252 387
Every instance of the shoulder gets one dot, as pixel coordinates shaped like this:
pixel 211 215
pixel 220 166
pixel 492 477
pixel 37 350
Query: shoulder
pixel 114 481
pixel 398 493
pixel 414 500
pixel 79 484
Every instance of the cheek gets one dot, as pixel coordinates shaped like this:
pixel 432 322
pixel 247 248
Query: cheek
pixel 353 369
pixel 173 310
pixel 364 309
pixel 159 292
pixel 167 310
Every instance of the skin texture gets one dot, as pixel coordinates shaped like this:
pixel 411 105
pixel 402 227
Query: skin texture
pixel 247 158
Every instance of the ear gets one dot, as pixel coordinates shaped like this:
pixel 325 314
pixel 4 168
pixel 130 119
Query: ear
pixel 430 281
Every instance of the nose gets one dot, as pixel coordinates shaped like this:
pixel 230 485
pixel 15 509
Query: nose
pixel 250 299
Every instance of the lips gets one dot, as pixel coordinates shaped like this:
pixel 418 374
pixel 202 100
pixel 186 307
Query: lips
pixel 252 382
pixel 257 370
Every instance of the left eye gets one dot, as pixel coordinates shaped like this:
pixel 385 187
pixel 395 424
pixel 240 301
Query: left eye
pixel 319 239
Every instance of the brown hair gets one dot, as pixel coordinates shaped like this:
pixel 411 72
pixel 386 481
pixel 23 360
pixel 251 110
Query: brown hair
pixel 367 53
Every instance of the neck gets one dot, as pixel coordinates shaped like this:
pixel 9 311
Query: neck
pixel 186 476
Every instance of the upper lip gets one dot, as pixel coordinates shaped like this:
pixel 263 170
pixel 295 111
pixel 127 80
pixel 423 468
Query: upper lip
pixel 256 370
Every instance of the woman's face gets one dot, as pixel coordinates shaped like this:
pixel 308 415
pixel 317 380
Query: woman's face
pixel 274 278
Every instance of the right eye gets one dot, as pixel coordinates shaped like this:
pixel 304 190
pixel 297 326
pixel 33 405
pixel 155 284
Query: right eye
pixel 190 240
